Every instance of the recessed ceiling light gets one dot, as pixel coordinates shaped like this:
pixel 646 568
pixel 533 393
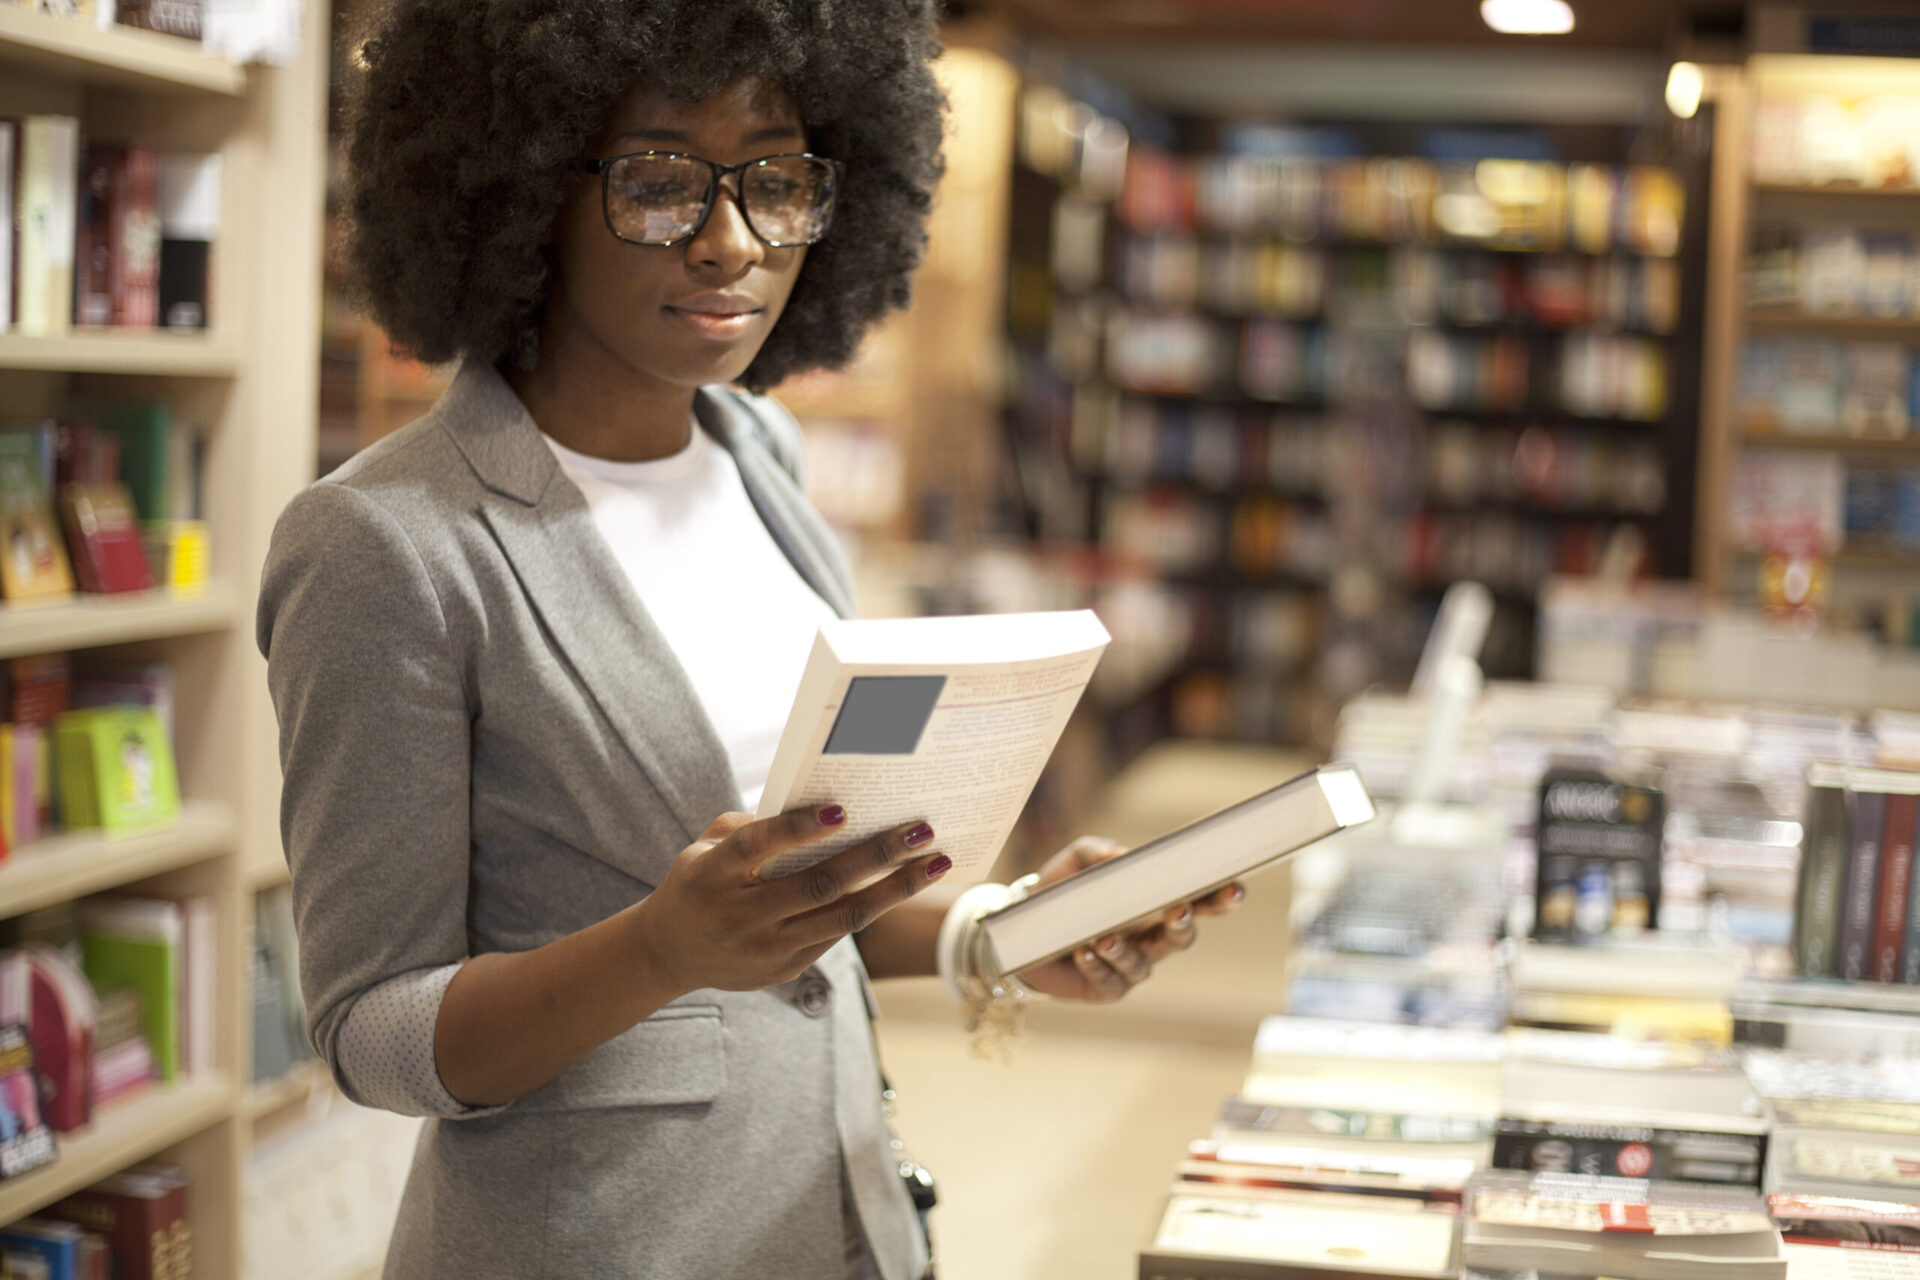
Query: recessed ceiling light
pixel 1528 17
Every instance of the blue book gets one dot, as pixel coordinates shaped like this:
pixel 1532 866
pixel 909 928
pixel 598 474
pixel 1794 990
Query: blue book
pixel 58 1244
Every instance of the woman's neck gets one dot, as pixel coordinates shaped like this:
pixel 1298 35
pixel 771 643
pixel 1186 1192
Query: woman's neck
pixel 591 401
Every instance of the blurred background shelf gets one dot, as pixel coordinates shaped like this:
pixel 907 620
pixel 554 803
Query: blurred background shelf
pixel 37 43
pixel 83 621
pixel 72 864
pixel 181 355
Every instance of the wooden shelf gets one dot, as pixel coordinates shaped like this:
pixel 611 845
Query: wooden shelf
pixel 74 863
pixel 1860 193
pixel 1878 558
pixel 119 1136
pixel 83 621
pixel 296 1086
pixel 74 49
pixel 267 873
pixel 106 351
pixel 1788 320
pixel 1908 449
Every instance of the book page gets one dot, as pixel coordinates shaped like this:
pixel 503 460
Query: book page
pixel 965 763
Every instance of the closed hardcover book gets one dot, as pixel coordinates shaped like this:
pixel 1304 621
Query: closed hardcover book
pixel 49 180
pixel 33 558
pixel 139 943
pixel 61 1025
pixel 1823 873
pixel 1859 910
pixel 1181 865
pixel 143 1214
pixel 9 151
pixel 1896 873
pixel 119 239
pixel 58 1244
pixel 104 537
pixel 26 1139
pixel 1267 1234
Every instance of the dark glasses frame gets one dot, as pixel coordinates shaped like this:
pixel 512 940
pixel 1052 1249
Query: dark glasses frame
pixel 603 168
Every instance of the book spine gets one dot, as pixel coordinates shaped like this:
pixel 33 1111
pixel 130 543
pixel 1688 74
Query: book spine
pixel 1896 871
pixel 1823 868
pixel 136 243
pixel 9 194
pixel 100 196
pixel 1860 908
pixel 1629 1152
pixel 1910 957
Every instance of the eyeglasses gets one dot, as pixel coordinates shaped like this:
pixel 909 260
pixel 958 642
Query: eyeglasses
pixel 663 198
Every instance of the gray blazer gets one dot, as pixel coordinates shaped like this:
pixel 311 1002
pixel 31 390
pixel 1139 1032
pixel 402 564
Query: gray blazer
pixel 487 744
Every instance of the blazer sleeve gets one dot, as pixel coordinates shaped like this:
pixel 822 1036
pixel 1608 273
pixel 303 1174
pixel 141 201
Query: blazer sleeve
pixel 374 752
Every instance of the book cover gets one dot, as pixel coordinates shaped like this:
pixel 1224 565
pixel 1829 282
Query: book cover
pixel 1859 909
pixel 1910 949
pixel 119 238
pixel 1896 871
pixel 104 537
pixel 1212 1232
pixel 138 943
pixel 61 1027
pixel 49 177
pixel 58 1244
pixel 1823 870
pixel 33 560
pixel 143 1215
pixel 26 1139
pixel 1629 1151
pixel 172 17
pixel 949 720
pixel 144 430
pixel 116 768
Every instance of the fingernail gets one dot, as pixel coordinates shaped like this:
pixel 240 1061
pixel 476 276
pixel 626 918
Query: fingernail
pixel 919 836
pixel 832 816
pixel 1110 946
pixel 1086 955
pixel 1238 893
pixel 939 867
pixel 1182 916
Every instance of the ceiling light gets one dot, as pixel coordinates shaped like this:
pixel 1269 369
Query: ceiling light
pixel 1684 86
pixel 1528 17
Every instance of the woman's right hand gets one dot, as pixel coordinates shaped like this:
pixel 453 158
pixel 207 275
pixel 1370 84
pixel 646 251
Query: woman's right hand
pixel 713 921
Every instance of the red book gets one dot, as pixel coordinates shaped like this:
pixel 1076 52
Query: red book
pixel 103 538
pixel 119 239
pixel 61 1028
pixel 143 1215
pixel 1896 874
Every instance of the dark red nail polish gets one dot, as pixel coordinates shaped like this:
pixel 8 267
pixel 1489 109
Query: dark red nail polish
pixel 939 867
pixel 919 836
pixel 832 816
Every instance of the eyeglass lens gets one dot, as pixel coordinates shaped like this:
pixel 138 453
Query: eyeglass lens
pixel 659 199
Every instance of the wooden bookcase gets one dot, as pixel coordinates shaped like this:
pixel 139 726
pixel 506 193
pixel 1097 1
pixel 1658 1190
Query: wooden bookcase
pixel 1739 202
pixel 250 381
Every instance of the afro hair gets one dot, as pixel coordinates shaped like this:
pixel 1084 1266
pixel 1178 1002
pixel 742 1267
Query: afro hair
pixel 469 117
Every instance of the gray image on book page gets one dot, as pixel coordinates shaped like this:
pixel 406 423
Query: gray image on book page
pixel 962 751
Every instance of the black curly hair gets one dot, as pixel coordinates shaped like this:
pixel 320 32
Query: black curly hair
pixel 470 115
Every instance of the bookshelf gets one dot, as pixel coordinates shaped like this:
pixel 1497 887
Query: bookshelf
pixel 249 382
pixel 1761 217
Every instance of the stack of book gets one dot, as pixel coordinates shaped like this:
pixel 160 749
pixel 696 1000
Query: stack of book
pixel 1857 909
pixel 1307 1173
pixel 131 1226
pixel 1843 1168
pixel 1630 1228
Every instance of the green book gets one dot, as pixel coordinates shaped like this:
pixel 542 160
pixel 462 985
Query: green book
pixel 143 427
pixel 137 944
pixel 116 768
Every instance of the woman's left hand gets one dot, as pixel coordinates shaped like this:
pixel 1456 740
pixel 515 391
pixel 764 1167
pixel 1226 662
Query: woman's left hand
pixel 1110 967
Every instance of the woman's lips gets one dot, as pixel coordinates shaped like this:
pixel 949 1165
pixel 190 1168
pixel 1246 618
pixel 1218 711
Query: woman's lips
pixel 715 324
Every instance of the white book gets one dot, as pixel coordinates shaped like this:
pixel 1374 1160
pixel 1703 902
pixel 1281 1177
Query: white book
pixel 1300 1235
pixel 9 135
pixel 49 210
pixel 1185 863
pixel 942 720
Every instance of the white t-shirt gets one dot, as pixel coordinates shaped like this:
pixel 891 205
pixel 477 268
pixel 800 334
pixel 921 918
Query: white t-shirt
pixel 737 614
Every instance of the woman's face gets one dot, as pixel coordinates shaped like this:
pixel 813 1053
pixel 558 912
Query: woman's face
pixel 696 312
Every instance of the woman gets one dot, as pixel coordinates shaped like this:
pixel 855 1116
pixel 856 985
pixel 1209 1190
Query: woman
pixel 531 654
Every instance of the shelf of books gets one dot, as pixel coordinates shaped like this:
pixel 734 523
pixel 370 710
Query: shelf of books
pixel 80 622
pixel 1812 440
pixel 1304 378
pixel 181 355
pixel 119 1136
pixel 158 348
pixel 37 42
pixel 71 864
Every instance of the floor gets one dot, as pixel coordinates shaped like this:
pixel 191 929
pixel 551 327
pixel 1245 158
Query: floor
pixel 1054 1166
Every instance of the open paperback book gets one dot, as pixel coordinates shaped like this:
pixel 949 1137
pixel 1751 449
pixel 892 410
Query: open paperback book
pixel 1186 863
pixel 947 720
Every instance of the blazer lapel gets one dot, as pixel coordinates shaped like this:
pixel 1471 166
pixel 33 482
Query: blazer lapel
pixel 588 605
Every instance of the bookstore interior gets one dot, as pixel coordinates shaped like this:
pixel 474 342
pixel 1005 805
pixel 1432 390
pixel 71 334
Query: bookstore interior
pixel 1516 401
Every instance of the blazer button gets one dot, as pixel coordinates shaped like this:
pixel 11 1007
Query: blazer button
pixel 814 998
